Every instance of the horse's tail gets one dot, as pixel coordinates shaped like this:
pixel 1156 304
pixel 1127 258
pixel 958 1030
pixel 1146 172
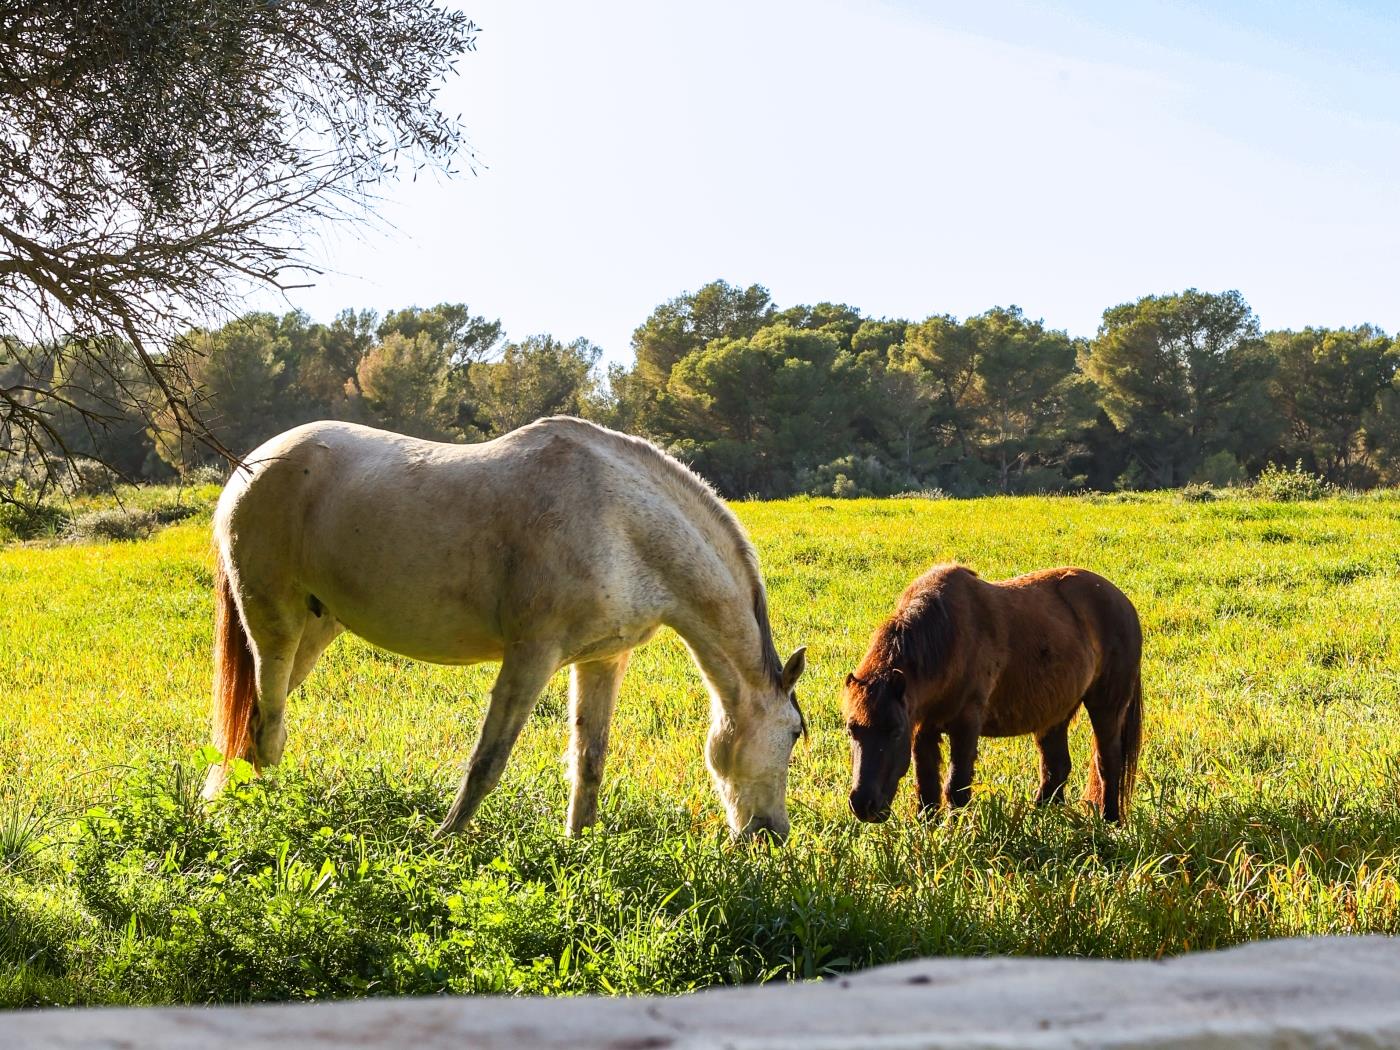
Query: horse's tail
pixel 235 683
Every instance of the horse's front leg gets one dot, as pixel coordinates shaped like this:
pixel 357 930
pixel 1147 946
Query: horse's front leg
pixel 962 756
pixel 525 670
pixel 928 773
pixel 593 690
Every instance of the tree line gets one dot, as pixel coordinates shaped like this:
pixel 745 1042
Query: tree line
pixel 768 401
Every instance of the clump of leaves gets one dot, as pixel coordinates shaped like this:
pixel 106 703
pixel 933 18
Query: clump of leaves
pixel 25 829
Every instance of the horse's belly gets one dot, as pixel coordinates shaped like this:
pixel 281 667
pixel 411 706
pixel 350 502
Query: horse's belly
pixel 443 638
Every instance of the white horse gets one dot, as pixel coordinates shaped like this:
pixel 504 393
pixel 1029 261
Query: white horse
pixel 559 543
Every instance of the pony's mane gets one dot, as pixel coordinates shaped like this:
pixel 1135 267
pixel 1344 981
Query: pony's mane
pixel 918 639
pixel 694 491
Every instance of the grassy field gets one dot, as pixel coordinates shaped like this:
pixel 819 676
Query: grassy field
pixel 1269 801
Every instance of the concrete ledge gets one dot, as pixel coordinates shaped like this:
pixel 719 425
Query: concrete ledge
pixel 1324 992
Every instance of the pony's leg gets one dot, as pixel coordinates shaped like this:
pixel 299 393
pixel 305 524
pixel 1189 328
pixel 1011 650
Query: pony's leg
pixel 1106 773
pixel 928 774
pixel 962 756
pixel 524 672
pixel 1054 763
pixel 592 692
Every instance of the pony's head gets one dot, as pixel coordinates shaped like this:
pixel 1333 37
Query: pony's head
pixel 913 647
pixel 877 719
pixel 749 748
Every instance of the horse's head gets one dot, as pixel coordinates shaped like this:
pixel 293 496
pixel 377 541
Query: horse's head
pixel 877 718
pixel 749 749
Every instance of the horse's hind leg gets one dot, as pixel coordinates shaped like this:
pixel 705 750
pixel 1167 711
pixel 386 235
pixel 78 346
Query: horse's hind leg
pixel 524 672
pixel 275 629
pixel 318 633
pixel 1054 763
pixel 592 692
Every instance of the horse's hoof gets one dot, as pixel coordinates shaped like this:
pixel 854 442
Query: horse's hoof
pixel 446 829
pixel 213 784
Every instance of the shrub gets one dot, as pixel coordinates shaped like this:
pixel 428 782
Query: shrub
pixel 207 474
pixel 843 487
pixel 1220 470
pixel 930 493
pixel 1289 484
pixel 87 477
pixel 24 516
pixel 1197 492
pixel 169 513
pixel 851 477
pixel 113 524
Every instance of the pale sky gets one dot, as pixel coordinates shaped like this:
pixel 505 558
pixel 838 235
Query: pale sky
pixel 906 158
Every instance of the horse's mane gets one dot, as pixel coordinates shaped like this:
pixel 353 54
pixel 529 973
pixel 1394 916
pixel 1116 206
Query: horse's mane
pixel 918 639
pixel 694 491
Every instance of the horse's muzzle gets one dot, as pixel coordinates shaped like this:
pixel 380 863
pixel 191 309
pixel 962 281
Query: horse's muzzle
pixel 764 829
pixel 866 808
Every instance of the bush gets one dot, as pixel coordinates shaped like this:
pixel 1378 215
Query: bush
pixel 87 477
pixel 24 516
pixel 851 477
pixel 1289 485
pixel 169 513
pixel 1221 470
pixel 1197 492
pixel 113 524
pixel 207 474
pixel 931 493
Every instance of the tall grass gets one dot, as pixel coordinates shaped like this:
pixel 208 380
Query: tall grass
pixel 1269 805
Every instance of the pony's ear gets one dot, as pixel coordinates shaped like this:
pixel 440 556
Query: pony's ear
pixel 792 670
pixel 896 687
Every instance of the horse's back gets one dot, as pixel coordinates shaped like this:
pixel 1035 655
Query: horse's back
pixel 332 469
pixel 443 551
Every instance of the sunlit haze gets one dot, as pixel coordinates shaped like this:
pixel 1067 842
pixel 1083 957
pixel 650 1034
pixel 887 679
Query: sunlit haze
pixel 905 158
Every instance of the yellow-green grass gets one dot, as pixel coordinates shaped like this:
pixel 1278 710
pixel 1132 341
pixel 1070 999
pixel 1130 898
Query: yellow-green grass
pixel 1268 803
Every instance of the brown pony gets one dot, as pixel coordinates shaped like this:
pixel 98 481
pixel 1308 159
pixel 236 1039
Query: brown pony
pixel 970 658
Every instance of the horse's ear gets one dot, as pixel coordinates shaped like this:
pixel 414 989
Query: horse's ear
pixel 792 670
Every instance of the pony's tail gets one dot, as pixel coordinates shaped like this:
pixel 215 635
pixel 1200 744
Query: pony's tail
pixel 1129 747
pixel 235 684
pixel 1131 742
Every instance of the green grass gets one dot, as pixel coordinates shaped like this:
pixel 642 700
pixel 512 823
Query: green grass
pixel 1269 800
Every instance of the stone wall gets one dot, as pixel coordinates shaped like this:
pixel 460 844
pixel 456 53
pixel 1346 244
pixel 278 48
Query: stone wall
pixel 1326 992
